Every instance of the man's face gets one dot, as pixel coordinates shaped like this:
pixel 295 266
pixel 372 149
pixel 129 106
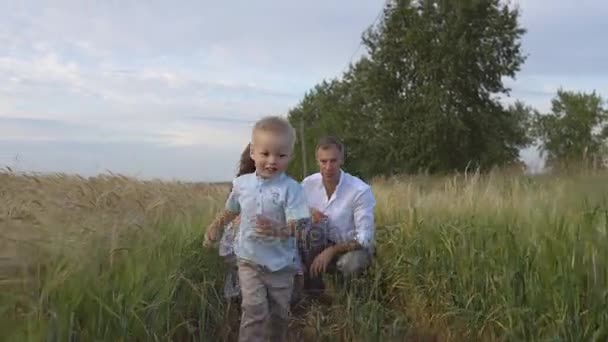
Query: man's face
pixel 330 161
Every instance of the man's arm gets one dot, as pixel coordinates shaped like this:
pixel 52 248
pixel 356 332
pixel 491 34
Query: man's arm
pixel 344 247
pixel 363 212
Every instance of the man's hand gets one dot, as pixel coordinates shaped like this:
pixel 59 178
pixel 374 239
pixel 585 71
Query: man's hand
pixel 317 216
pixel 319 265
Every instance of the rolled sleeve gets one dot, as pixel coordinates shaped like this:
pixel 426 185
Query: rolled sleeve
pixel 364 218
pixel 297 206
pixel 232 203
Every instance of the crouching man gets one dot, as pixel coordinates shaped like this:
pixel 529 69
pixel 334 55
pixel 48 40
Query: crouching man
pixel 342 237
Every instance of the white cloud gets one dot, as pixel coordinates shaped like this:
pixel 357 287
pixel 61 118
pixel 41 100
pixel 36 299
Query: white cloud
pixel 156 95
pixel 208 136
pixel 42 70
pixel 538 90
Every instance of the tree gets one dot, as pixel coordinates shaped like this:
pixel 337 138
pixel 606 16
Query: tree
pixel 319 112
pixel 426 95
pixel 575 131
pixel 519 129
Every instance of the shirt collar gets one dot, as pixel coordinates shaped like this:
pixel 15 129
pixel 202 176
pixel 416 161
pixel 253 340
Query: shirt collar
pixel 276 177
pixel 340 181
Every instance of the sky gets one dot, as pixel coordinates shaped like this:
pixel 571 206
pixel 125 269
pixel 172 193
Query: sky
pixel 167 90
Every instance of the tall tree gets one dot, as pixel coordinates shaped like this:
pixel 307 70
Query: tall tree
pixel 575 131
pixel 426 96
pixel 319 113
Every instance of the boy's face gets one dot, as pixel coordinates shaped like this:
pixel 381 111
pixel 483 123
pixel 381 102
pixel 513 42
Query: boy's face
pixel 271 153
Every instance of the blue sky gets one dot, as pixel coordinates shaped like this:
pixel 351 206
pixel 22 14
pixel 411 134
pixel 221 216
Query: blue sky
pixel 163 90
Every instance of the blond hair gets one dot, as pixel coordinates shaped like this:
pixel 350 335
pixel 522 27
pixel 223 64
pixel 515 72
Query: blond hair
pixel 277 125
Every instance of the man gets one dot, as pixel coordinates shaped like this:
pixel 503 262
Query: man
pixel 342 205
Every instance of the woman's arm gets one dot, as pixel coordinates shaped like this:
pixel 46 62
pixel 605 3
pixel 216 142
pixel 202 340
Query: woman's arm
pixel 221 220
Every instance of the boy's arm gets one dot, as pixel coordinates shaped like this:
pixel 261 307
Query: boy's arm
pixel 297 212
pixel 296 228
pixel 293 228
pixel 297 215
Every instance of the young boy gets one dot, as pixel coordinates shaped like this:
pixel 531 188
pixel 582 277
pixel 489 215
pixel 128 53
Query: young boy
pixel 274 213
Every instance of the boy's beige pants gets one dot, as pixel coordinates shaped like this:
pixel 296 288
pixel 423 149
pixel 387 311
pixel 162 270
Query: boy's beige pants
pixel 265 302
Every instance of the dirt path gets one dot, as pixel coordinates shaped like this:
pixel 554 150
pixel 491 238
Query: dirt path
pixel 295 332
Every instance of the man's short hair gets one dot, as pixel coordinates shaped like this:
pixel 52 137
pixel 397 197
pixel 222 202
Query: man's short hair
pixel 275 124
pixel 328 142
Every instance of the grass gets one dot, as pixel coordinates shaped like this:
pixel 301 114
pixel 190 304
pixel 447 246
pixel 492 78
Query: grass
pixel 497 257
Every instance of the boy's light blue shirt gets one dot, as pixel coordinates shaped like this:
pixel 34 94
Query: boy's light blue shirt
pixel 279 198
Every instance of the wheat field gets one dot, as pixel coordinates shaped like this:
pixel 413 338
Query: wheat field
pixel 496 257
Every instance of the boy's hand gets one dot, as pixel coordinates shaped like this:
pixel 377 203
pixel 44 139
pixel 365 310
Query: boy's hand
pixel 270 228
pixel 265 226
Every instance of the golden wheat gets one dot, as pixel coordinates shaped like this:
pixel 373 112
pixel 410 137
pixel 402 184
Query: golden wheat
pixel 43 212
pixel 500 256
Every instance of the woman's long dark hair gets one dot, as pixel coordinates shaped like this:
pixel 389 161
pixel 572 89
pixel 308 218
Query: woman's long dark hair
pixel 246 164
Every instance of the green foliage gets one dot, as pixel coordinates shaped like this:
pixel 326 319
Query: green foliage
pixel 425 97
pixel 160 287
pixel 575 131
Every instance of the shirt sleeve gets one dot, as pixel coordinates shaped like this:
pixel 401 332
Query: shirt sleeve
pixel 364 218
pixel 297 205
pixel 232 203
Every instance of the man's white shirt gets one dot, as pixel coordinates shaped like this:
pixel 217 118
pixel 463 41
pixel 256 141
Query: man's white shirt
pixel 350 210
